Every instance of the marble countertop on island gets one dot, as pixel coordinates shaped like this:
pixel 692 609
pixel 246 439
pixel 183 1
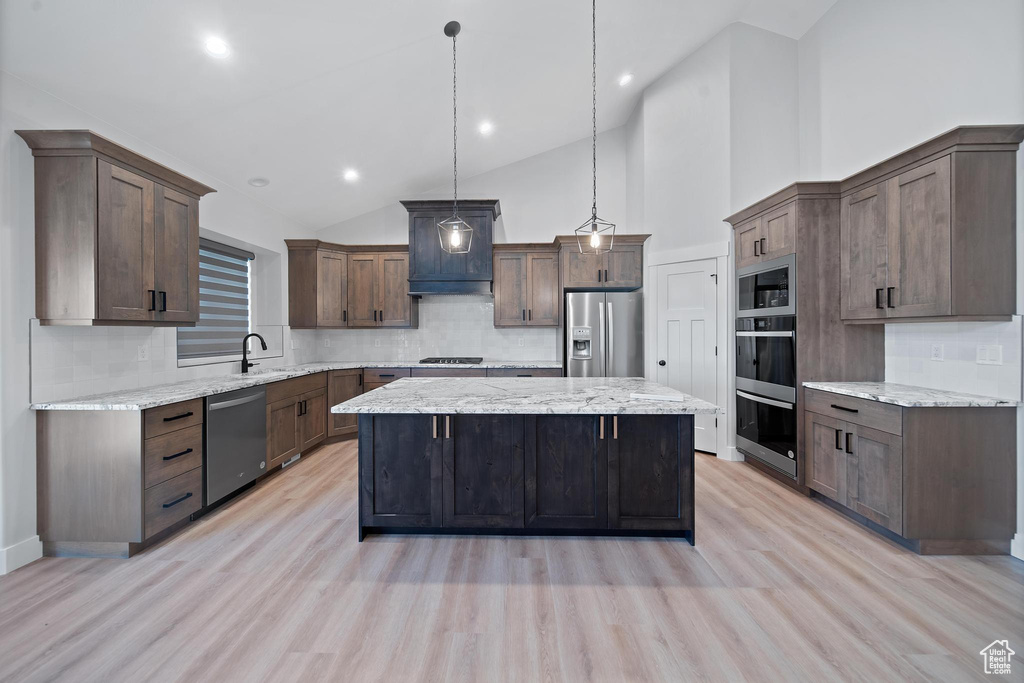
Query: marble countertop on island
pixel 909 396
pixel 524 396
pixel 143 398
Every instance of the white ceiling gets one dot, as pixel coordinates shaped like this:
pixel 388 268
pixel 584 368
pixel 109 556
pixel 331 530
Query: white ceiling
pixel 313 87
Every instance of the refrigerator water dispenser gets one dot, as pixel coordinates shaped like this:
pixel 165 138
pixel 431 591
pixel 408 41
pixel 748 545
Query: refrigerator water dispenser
pixel 581 348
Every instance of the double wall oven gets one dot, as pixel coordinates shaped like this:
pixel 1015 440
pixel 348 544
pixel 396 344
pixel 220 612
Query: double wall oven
pixel 766 392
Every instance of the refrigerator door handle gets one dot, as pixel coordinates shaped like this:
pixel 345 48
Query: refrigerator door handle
pixel 610 353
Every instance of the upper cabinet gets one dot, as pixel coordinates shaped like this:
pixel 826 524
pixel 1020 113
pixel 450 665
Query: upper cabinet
pixel 117 234
pixel 526 292
pixel 766 237
pixel 930 233
pixel 621 268
pixel 333 285
pixel 432 270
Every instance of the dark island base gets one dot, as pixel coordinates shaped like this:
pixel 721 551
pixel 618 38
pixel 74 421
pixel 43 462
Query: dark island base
pixel 526 475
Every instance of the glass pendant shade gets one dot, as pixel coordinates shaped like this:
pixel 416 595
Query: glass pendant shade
pixel 455 234
pixel 596 236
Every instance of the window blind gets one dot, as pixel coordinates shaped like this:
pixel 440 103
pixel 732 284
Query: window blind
pixel 223 303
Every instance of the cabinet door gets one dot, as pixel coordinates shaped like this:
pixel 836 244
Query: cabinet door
pixel 824 457
pixel 624 267
pixel 566 472
pixel 919 241
pixel 874 476
pixel 341 386
pixel 748 243
pixel 282 430
pixel 400 470
pixel 483 471
pixel 362 290
pixel 394 305
pixel 510 289
pixel 864 253
pixel 176 255
pixel 124 250
pixel 778 232
pixel 582 270
pixel 543 307
pixel 331 289
pixel 313 421
pixel 650 472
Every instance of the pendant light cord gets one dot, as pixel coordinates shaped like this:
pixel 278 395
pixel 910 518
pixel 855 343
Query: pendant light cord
pixel 455 131
pixel 594 82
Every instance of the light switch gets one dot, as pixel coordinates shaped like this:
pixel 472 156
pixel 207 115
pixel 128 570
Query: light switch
pixel 938 352
pixel 990 354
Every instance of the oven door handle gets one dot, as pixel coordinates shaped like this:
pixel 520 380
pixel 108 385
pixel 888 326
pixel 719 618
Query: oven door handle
pixel 780 333
pixel 766 401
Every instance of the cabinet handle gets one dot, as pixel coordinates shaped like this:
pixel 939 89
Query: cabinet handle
pixel 763 250
pixel 839 439
pixel 849 441
pixel 447 426
pixel 375 315
pixel 178 455
pixel 382 315
pixel 524 315
pixel 756 244
pixel 615 426
pixel 606 275
pixel 878 298
pixel 152 299
pixel 382 375
pixel 344 316
pixel 844 408
pixel 178 417
pixel 163 301
pixel 360 379
pixel 888 296
pixel 433 419
pixel 175 502
pixel 600 427
pixel 598 274
pixel 531 314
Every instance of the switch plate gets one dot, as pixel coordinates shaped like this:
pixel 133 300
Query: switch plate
pixel 376 343
pixel 990 354
pixel 938 352
pixel 522 341
pixel 143 353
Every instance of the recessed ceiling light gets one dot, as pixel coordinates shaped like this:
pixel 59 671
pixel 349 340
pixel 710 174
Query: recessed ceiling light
pixel 351 175
pixel 259 182
pixel 215 47
pixel 625 79
pixel 486 128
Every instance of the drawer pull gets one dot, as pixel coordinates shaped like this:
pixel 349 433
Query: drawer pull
pixel 152 299
pixel 524 375
pixel 385 375
pixel 178 455
pixel 839 439
pixel 888 296
pixel 849 439
pixel 175 502
pixel 878 298
pixel 178 417
pixel 845 409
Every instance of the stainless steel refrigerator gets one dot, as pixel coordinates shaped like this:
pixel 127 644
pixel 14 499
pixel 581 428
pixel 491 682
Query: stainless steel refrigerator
pixel 604 334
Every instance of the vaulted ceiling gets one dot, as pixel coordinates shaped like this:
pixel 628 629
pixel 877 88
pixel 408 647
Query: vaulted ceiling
pixel 312 88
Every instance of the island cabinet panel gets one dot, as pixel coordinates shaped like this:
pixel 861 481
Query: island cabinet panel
pixel 650 472
pixel 400 471
pixel 566 472
pixel 483 471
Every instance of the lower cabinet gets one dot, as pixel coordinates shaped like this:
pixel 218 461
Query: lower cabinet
pixel 296 416
pixel 482 475
pixel 566 469
pixel 341 386
pixel 400 470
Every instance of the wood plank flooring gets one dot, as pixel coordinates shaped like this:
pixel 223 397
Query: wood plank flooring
pixel 275 587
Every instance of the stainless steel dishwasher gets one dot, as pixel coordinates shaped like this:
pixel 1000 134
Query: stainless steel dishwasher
pixel 236 440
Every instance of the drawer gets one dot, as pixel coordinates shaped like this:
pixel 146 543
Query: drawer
pixel 524 372
pixel 873 414
pixel 295 386
pixel 449 372
pixel 173 501
pixel 172 454
pixel 373 375
pixel 173 417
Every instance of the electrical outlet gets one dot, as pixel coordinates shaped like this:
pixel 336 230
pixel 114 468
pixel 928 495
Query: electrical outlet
pixel 990 354
pixel 143 352
pixel 522 341
pixel 376 343
pixel 938 352
pixel 327 342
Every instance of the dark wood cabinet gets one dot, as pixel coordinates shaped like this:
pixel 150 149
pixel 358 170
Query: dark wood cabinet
pixel 296 416
pixel 283 439
pixel 825 460
pixel 362 290
pixel 510 295
pixel 117 235
pixel 312 418
pixel 331 289
pixel 482 479
pixel 748 243
pixel 621 268
pixel 432 270
pixel 766 237
pixel 395 306
pixel 874 475
pixel 341 386
pixel 566 472
pixel 526 291
pixel 864 253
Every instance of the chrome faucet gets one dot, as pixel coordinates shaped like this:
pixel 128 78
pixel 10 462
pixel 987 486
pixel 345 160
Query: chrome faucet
pixel 245 351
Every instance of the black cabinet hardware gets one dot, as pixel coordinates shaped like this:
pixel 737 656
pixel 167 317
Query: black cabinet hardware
pixel 299 406
pixel 375 315
pixel 178 417
pixel 524 375
pixel 757 243
pixel 382 315
pixel 344 316
pixel 878 298
pixel 382 375
pixel 175 502
pixel 360 379
pixel 152 299
pixel 849 442
pixel 888 297
pixel 606 275
pixel 662 363
pixel 531 314
pixel 178 455
pixel 524 315
pixel 844 408
pixel 163 301
pixel 762 247
pixel 839 439
pixel 598 274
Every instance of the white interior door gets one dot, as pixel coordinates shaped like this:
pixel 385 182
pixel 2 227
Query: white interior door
pixel 686 329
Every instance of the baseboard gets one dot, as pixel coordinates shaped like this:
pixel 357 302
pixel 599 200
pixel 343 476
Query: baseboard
pixel 732 454
pixel 1017 546
pixel 18 555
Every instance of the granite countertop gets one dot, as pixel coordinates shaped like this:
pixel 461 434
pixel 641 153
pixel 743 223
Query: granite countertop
pixel 164 394
pixel 529 396
pixel 910 396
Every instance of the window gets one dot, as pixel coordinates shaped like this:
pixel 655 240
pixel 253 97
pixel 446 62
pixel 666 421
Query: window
pixel 223 304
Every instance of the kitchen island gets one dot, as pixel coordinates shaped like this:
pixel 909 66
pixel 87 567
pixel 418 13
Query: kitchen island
pixel 565 455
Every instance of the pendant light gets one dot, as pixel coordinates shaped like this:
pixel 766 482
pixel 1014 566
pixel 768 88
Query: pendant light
pixel 595 236
pixel 455 234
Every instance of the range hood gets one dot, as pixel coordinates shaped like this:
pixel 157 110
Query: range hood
pixel 433 270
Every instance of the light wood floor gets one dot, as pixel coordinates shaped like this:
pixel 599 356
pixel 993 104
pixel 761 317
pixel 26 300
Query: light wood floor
pixel 275 587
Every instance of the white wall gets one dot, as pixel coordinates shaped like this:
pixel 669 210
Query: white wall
pixel 228 212
pixel 877 77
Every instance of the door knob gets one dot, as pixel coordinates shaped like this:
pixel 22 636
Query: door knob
pixel 661 362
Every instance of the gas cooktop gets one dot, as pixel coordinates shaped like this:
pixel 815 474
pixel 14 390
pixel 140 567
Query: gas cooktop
pixel 454 360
